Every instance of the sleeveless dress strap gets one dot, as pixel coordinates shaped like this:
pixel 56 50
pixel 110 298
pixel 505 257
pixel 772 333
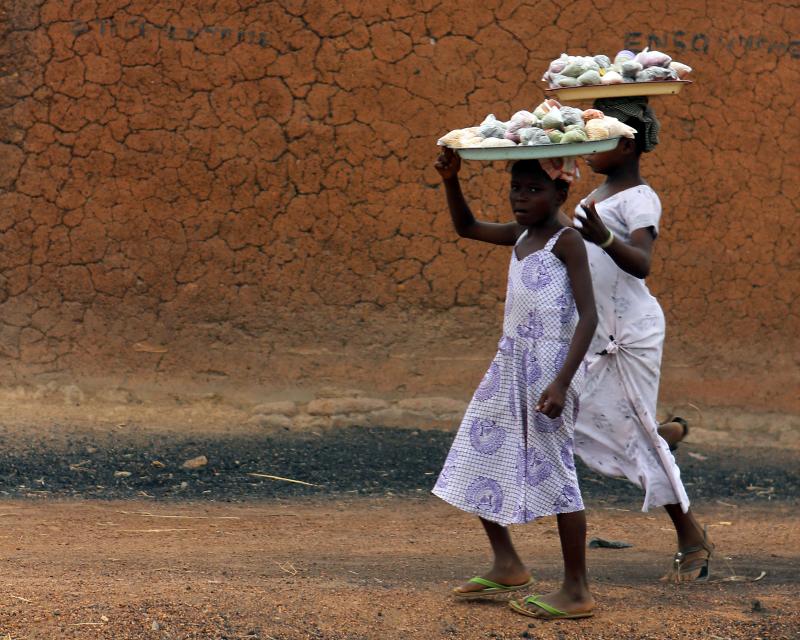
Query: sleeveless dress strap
pixel 554 238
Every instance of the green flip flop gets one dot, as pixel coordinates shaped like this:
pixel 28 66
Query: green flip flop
pixel 490 588
pixel 546 612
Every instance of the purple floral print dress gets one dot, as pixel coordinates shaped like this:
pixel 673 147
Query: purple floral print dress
pixel 509 463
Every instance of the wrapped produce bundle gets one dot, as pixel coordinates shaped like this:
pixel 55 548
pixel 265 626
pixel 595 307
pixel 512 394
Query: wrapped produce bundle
pixel 612 77
pixel 681 69
pixel 575 135
pixel 571 115
pixel 589 114
pixel 597 129
pixel 623 56
pixel 520 120
pixel 602 61
pixel 630 68
pixel 533 136
pixel 649 59
pixel 545 107
pixel 566 81
pixel 491 127
pixel 652 74
pixel 617 129
pixel 456 137
pixel 590 77
pixel 496 142
pixel 553 119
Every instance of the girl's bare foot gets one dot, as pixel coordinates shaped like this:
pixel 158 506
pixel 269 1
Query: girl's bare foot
pixel 673 431
pixel 507 568
pixel 510 575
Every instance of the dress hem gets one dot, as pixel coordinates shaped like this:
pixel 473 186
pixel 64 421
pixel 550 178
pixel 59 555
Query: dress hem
pixel 652 505
pixel 485 516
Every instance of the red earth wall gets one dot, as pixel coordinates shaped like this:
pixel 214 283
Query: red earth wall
pixel 242 192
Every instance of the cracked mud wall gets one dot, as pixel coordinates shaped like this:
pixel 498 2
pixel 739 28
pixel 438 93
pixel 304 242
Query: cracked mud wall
pixel 242 193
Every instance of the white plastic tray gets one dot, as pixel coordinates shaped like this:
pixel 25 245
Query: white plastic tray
pixel 539 151
pixel 626 89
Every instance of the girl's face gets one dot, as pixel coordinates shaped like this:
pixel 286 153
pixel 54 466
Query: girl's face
pixel 534 198
pixel 607 161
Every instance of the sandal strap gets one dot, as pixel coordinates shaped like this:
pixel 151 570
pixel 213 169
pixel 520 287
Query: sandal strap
pixel 689 550
pixel 487 583
pixel 545 607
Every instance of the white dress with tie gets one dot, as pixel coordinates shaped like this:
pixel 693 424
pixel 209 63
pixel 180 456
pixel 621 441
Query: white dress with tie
pixel 616 429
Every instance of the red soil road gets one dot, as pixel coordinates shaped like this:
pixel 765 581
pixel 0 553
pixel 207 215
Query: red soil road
pixel 366 568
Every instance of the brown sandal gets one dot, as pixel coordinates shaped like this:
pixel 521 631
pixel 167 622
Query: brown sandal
pixel 694 570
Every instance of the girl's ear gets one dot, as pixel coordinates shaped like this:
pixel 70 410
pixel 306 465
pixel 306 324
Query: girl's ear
pixel 629 145
pixel 561 196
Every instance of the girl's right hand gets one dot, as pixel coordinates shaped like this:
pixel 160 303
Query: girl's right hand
pixel 551 402
pixel 448 164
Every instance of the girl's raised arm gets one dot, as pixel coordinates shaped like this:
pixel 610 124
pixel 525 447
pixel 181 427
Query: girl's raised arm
pixel 448 165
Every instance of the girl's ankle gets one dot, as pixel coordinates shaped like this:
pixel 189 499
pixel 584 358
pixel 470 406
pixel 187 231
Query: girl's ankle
pixel 510 569
pixel 508 562
pixel 577 590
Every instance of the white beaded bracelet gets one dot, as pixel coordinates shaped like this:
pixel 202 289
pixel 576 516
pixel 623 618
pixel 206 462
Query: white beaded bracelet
pixel 608 242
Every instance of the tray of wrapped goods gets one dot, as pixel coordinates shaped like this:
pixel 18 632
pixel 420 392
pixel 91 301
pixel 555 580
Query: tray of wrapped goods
pixel 537 152
pixel 647 73
pixel 551 130
pixel 628 89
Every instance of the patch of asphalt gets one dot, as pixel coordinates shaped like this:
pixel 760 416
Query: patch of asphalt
pixel 353 461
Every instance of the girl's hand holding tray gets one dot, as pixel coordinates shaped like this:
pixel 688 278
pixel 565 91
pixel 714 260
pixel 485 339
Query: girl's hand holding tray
pixel 448 164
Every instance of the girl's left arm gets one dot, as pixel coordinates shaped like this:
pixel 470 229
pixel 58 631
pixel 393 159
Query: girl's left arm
pixel 571 250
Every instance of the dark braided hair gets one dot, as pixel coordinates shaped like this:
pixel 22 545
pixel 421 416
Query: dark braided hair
pixel 637 113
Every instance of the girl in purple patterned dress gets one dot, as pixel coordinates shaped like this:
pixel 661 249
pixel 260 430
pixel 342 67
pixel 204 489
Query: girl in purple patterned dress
pixel 511 461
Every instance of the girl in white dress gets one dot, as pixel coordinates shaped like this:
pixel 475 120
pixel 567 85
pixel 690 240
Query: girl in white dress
pixel 616 432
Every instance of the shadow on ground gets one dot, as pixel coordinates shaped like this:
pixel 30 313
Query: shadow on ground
pixel 354 461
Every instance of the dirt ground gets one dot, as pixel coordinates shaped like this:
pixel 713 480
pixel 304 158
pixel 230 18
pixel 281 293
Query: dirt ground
pixel 367 567
pixel 105 534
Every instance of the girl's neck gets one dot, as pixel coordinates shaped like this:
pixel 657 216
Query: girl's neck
pixel 549 224
pixel 624 176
